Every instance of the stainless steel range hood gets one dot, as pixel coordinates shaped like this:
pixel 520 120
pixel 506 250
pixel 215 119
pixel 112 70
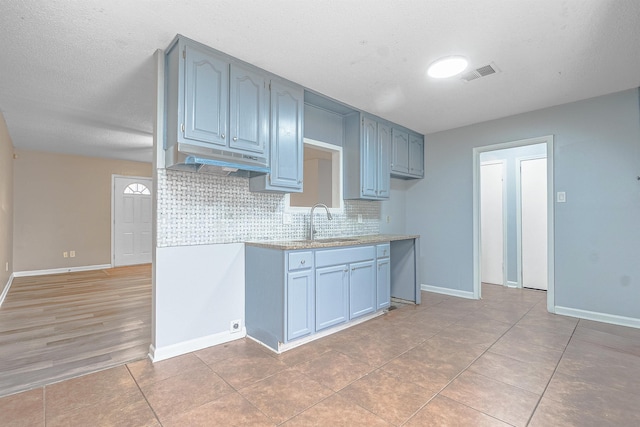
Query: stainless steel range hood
pixel 194 158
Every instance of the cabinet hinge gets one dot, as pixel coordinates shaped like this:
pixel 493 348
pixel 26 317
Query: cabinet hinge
pixel 182 127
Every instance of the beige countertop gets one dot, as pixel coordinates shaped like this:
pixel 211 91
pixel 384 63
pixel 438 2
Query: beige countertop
pixel 371 239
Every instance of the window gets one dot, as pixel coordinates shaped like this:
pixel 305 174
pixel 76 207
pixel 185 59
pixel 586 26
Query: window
pixel 137 188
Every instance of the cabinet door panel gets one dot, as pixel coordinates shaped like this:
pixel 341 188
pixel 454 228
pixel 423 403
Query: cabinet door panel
pixel 248 109
pixel 369 157
pixel 384 172
pixel 362 289
pixel 400 151
pixel 416 155
pixel 299 304
pixel 332 296
pixel 383 283
pixel 287 105
pixel 206 97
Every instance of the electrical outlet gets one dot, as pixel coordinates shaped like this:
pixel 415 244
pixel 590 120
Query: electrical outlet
pixel 65 254
pixel 359 218
pixel 72 254
pixel 287 219
pixel 388 219
pixel 235 326
pixel 6 266
pixel 561 197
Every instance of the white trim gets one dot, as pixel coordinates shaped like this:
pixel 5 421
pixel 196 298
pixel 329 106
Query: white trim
pixel 599 317
pixel 511 284
pixel 5 291
pixel 173 350
pixel 60 270
pixel 548 140
pixel 448 291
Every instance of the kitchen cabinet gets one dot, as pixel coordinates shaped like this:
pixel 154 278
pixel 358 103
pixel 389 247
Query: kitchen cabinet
pixel 362 288
pixel 215 101
pixel 332 296
pixel 286 135
pixel 383 276
pixel 407 154
pixel 366 157
pixel 300 298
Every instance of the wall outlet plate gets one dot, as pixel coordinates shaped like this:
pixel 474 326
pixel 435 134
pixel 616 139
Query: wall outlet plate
pixel 235 326
pixel 359 218
pixel 287 219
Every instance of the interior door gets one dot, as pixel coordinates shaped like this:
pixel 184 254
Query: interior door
pixel 492 222
pixel 533 202
pixel 131 220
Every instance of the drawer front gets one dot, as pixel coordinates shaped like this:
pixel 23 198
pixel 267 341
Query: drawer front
pixel 300 260
pixel 383 250
pixel 344 255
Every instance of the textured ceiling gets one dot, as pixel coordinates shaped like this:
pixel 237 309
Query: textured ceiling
pixel 78 76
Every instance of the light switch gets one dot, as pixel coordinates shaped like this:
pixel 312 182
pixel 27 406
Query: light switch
pixel 561 197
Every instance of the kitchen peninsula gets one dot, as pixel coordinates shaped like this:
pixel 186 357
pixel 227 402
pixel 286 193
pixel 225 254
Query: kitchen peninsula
pixel 300 290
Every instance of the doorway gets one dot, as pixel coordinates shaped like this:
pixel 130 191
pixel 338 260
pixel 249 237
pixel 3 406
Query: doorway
pixel 544 166
pixel 132 218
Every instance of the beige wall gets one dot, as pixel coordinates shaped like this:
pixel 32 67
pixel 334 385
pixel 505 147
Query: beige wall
pixel 6 204
pixel 63 203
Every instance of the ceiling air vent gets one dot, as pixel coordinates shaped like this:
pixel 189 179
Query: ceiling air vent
pixel 483 71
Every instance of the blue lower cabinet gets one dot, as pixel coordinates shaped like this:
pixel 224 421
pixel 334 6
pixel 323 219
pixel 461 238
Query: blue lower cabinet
pixel 384 283
pixel 362 288
pixel 299 304
pixel 332 296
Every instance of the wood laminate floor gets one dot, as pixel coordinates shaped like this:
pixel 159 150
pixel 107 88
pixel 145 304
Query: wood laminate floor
pixel 60 326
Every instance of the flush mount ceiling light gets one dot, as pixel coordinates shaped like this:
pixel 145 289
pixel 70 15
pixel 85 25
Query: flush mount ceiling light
pixel 447 67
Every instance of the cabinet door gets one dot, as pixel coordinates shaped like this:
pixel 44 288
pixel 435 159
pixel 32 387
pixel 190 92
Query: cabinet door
pixel 399 151
pixel 332 296
pixel 206 85
pixel 384 164
pixel 369 157
pixel 383 283
pixel 299 304
pixel 362 288
pixel 287 106
pixel 248 110
pixel 416 155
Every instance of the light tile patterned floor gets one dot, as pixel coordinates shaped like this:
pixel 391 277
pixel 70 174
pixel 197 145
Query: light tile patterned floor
pixel 449 362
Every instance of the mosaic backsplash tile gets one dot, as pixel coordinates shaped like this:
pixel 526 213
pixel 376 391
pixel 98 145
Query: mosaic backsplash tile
pixel 199 209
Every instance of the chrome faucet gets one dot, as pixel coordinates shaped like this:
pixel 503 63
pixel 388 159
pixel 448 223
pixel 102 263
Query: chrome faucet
pixel 311 230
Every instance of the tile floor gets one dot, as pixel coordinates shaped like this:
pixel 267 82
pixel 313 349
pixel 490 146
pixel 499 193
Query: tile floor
pixel 449 362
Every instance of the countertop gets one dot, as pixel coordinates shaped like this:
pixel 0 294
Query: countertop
pixel 371 239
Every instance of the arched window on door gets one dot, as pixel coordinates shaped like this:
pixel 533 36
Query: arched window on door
pixel 137 188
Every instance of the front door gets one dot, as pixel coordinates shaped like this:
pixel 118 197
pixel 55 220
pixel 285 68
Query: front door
pixel 131 220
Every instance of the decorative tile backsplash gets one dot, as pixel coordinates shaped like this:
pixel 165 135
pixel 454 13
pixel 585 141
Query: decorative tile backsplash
pixel 199 209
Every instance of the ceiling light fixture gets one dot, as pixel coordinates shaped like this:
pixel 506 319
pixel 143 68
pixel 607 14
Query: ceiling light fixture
pixel 447 67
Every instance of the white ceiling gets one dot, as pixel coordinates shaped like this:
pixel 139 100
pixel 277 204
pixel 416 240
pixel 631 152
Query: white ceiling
pixel 78 76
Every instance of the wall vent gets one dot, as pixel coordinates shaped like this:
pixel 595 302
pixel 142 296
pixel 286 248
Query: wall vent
pixel 483 71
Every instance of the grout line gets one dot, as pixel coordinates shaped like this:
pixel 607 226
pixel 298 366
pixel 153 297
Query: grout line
pixel 143 395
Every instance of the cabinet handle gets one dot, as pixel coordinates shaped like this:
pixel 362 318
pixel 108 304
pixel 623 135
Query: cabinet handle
pixel 222 136
pixel 353 269
pixel 235 138
pixel 346 270
pixel 302 262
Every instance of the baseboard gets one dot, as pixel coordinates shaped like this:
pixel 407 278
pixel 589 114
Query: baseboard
pixel 511 284
pixel 447 291
pixel 599 317
pixel 5 291
pixel 61 270
pixel 157 354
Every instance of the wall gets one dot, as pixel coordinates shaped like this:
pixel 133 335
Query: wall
pixel 6 205
pixel 62 203
pixel 393 211
pixel 597 160
pixel 510 155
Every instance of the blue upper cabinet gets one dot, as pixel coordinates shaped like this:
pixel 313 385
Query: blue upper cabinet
pixel 407 154
pixel 286 135
pixel 206 92
pixel 366 157
pixel 215 101
pixel 248 108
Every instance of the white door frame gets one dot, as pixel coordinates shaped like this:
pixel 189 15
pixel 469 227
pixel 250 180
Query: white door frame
pixel 519 160
pixel 113 211
pixel 502 162
pixel 548 140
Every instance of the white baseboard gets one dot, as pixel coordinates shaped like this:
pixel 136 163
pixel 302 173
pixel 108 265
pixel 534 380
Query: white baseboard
pixel 173 350
pixel 5 291
pixel 61 270
pixel 598 317
pixel 511 284
pixel 447 291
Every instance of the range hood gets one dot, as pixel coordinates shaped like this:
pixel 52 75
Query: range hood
pixel 194 158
